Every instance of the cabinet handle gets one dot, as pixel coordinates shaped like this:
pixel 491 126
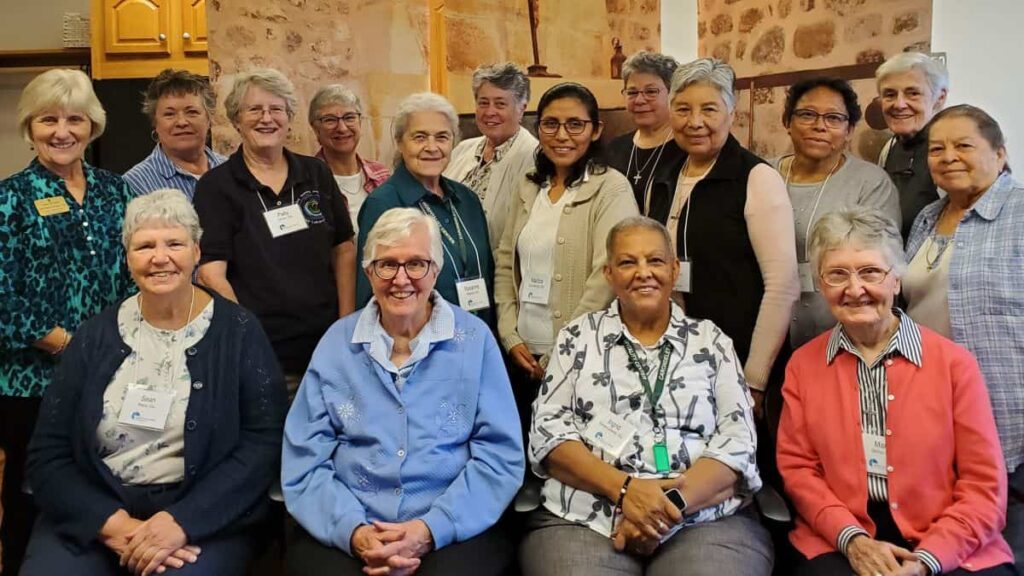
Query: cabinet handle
pixel 162 36
pixel 186 35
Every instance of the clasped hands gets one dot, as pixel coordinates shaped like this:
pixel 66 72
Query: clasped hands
pixel 869 557
pixel 148 547
pixel 390 548
pixel 647 516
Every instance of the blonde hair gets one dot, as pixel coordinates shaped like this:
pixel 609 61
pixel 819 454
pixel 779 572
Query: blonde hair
pixel 60 88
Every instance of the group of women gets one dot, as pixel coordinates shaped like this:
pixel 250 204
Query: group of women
pixel 153 344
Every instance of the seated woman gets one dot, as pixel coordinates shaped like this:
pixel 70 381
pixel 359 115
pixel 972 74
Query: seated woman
pixel 638 400
pixel 928 496
pixel 160 434
pixel 400 451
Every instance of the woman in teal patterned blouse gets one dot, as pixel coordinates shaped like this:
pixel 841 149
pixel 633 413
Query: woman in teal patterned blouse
pixel 60 262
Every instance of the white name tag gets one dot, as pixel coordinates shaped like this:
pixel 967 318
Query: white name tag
pixel 146 408
pixel 535 289
pixel 282 221
pixel 610 433
pixel 874 453
pixel 806 272
pixel 683 281
pixel 472 294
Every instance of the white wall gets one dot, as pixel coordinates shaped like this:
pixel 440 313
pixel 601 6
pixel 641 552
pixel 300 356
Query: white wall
pixel 679 29
pixel 981 39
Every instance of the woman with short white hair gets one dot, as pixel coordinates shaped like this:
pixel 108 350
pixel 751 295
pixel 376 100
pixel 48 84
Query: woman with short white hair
pixel 912 87
pixel 60 263
pixel 425 129
pixel 400 450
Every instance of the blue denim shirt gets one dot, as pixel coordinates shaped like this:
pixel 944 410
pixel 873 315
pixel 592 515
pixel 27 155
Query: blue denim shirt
pixel 436 439
pixel 986 298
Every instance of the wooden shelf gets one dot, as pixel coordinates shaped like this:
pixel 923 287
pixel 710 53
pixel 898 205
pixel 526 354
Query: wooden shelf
pixel 38 58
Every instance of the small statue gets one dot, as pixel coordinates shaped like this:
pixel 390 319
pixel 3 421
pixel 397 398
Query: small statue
pixel 617 59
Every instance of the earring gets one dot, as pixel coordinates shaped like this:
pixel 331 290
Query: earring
pixel 153 136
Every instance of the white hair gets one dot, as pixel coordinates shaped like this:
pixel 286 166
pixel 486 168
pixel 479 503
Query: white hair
pixel 168 206
pixel 864 228
pixel 266 79
pixel 396 225
pixel 424 102
pixel 710 72
pixel 934 72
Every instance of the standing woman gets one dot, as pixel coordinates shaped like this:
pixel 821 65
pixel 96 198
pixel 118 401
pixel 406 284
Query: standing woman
pixel 732 223
pixel 552 254
pixel 494 165
pixel 179 105
pixel 60 263
pixel 425 129
pixel 966 257
pixel 821 177
pixel 278 239
pixel 650 149
pixel 335 114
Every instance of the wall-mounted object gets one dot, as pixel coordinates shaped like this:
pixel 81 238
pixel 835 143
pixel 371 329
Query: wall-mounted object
pixel 618 58
pixel 75 31
pixel 139 38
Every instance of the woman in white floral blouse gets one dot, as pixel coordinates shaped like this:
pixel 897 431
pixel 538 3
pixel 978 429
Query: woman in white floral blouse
pixel 643 430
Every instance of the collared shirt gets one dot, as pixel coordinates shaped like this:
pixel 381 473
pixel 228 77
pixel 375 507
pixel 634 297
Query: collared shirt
pixel 705 409
pixel 158 171
pixel 480 176
pixel 986 302
pixel 56 270
pixel 374 173
pixel 443 447
pixel 289 281
pixel 872 386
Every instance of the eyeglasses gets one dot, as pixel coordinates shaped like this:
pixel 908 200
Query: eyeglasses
pixel 633 93
pixel 330 122
pixel 257 112
pixel 838 277
pixel 387 269
pixel 810 118
pixel 573 126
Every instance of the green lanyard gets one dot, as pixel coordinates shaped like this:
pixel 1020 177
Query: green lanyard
pixel 461 243
pixel 653 395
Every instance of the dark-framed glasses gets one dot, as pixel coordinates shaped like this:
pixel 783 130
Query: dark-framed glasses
pixel 573 126
pixel 810 117
pixel 415 269
pixel 648 93
pixel 330 122
pixel 838 277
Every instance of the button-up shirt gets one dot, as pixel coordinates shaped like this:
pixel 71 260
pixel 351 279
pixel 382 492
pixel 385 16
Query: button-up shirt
pixel 705 409
pixel 986 303
pixel 158 171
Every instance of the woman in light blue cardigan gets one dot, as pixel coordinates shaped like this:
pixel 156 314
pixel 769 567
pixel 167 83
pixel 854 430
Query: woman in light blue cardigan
pixel 400 450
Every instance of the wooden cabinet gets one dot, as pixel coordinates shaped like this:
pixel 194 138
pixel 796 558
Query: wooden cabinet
pixel 139 38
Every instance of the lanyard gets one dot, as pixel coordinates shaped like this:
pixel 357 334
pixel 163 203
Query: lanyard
pixel 181 344
pixel 461 243
pixel 260 196
pixel 821 192
pixel 653 395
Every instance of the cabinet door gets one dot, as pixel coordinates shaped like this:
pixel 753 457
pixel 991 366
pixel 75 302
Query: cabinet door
pixel 137 26
pixel 193 25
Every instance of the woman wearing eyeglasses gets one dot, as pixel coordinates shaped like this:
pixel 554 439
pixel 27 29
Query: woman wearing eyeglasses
pixel 335 114
pixel 650 149
pixel 552 252
pixel 887 444
pixel 821 177
pixel 278 239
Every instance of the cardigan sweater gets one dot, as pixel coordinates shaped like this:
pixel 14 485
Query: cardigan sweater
pixel 946 480
pixel 233 427
pixel 578 287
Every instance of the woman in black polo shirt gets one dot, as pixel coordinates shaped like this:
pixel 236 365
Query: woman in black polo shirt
pixel 278 238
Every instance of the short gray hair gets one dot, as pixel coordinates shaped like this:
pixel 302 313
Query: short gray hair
pixel 864 228
pixel 644 62
pixel 633 223
pixel 333 94
pixel 267 79
pixel 934 71
pixel 505 76
pixel 423 102
pixel 395 225
pixel 710 71
pixel 168 206
pixel 60 88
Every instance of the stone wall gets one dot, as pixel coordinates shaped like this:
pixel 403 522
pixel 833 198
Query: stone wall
pixel 761 37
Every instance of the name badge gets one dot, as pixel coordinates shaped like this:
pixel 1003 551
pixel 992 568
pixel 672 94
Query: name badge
pixel 283 221
pixel 146 408
pixel 52 205
pixel 683 281
pixel 535 289
pixel 611 433
pixel 472 294
pixel 806 272
pixel 874 453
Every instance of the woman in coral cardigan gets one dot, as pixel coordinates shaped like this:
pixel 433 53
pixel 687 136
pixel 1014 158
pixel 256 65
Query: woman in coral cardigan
pixel 887 444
